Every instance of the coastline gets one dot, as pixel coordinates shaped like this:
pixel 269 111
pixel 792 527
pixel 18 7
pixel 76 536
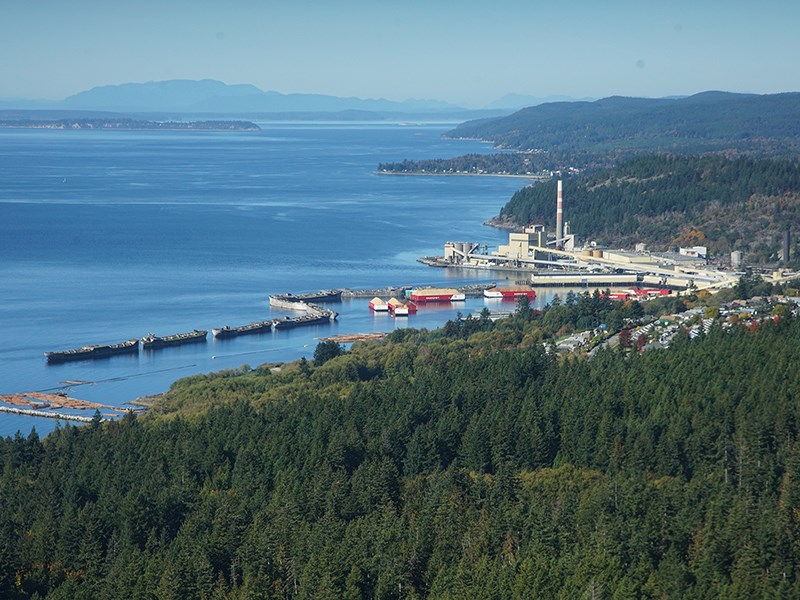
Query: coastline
pixel 428 174
pixel 234 246
pixel 501 223
pixel 128 125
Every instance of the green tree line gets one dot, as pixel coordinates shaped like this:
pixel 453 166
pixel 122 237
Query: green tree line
pixel 466 462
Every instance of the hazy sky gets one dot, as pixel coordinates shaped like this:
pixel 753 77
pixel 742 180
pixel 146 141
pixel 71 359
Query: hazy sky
pixel 465 52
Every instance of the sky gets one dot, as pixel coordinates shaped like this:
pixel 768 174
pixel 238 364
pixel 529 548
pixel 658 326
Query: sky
pixel 465 52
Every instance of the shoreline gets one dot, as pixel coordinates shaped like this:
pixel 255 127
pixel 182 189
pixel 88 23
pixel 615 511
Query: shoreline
pixel 504 224
pixel 31 404
pixel 428 174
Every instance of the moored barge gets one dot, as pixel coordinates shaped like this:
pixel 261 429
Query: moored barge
pixel 510 293
pixel 378 305
pixel 254 327
pixel 436 295
pixel 93 351
pixel 322 296
pixel 152 341
pixel 401 309
pixel 309 319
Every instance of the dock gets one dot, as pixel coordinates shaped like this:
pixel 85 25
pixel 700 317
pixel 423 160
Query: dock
pixel 387 291
pixel 583 279
pixel 471 290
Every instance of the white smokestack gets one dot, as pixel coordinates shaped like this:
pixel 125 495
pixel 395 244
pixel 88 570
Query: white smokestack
pixel 559 217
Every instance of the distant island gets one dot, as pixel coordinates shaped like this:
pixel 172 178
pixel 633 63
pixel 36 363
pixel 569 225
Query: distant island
pixel 127 124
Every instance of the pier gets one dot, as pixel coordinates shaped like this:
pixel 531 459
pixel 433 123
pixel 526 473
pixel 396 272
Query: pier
pixel 471 290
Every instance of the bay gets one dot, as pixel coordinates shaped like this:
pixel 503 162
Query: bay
pixel 109 235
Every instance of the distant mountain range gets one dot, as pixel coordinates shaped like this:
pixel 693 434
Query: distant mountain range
pixel 208 96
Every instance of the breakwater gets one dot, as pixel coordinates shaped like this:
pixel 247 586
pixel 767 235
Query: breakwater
pixel 312 313
pixel 41 413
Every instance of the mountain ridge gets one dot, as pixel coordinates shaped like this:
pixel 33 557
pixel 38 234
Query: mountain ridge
pixel 213 96
pixel 209 95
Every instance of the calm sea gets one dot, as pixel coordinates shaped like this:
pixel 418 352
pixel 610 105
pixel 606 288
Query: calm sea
pixel 109 235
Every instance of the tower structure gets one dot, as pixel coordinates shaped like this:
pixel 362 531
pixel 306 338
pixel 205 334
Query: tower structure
pixel 559 218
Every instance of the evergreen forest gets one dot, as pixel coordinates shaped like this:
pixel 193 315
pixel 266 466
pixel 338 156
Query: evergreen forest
pixel 466 462
pixel 608 130
pixel 589 136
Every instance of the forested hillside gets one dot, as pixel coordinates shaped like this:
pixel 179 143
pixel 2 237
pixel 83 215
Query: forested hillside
pixel 462 463
pixel 740 204
pixel 561 136
pixel 602 132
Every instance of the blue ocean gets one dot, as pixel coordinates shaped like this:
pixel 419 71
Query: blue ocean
pixel 110 235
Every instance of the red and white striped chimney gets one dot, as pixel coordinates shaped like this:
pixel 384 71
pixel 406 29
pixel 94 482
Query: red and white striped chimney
pixel 559 217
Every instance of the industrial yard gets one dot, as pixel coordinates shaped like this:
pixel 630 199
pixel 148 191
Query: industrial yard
pixel 558 260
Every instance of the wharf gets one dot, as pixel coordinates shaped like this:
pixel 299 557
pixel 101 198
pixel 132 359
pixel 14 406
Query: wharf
pixel 387 291
pixel 472 290
pixel 541 279
pixel 439 262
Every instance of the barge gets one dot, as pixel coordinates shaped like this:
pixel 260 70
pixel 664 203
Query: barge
pixel 254 327
pixel 401 309
pixel 93 351
pixel 378 305
pixel 510 293
pixel 152 341
pixel 322 296
pixel 310 319
pixel 436 295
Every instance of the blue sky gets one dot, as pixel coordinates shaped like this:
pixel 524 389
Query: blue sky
pixel 464 52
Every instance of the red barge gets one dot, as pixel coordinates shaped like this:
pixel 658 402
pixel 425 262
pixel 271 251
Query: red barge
pixel 436 295
pixel 510 293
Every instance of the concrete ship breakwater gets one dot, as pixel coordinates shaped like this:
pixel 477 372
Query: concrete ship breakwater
pixel 312 314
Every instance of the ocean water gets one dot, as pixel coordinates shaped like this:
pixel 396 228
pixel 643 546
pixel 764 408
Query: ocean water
pixel 109 235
